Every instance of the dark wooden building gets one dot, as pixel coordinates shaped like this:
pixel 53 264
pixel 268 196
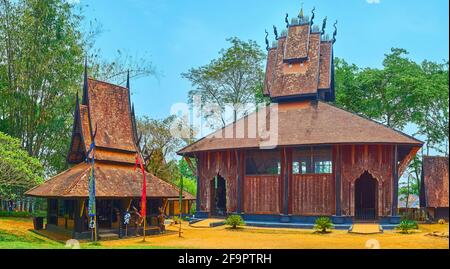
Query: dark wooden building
pixel 302 157
pixel 105 109
pixel 434 187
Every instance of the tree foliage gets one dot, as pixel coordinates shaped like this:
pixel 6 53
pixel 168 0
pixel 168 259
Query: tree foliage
pixel 40 70
pixel 232 81
pixel 402 92
pixel 18 171
pixel 42 49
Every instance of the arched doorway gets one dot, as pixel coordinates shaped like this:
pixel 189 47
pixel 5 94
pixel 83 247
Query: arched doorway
pixel 366 190
pixel 218 196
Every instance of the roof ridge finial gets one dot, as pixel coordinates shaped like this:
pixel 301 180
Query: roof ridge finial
pixel 324 25
pixel 275 32
pixel 267 40
pixel 301 15
pixel 335 32
pixel 286 19
pixel 313 15
pixel 85 83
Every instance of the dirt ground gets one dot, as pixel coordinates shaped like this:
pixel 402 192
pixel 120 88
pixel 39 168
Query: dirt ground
pixel 262 238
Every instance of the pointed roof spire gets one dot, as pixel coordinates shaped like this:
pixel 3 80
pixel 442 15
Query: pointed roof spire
pixel 85 84
pixel 301 15
pixel 128 79
pixel 133 125
pixel 129 90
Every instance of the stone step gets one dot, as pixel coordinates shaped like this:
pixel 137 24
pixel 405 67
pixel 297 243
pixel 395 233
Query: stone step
pixel 108 236
pixel 365 228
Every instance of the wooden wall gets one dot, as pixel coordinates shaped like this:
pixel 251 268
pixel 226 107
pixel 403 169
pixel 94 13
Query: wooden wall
pixel 262 194
pixel 313 194
pixel 310 194
pixel 375 159
pixel 224 164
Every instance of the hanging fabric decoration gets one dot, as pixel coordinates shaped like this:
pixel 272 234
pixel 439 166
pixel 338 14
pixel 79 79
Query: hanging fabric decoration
pixel 144 186
pixel 91 204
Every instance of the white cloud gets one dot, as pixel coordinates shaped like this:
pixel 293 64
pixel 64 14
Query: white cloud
pixel 373 1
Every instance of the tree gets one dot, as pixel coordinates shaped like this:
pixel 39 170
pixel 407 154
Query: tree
pixel 18 171
pixel 401 92
pixel 158 146
pixel 234 80
pixel 432 121
pixel 41 65
pixel 42 47
pixel 388 95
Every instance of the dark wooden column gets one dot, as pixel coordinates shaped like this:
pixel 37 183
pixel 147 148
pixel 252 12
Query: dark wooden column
pixel 238 181
pixel 285 169
pixel 394 182
pixel 197 201
pixel 338 180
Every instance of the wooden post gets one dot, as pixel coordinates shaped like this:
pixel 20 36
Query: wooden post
pixel 95 227
pixel 239 182
pixel 197 200
pixel 285 170
pixel 338 180
pixel 395 183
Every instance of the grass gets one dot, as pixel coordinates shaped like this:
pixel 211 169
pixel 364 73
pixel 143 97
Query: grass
pixel 15 233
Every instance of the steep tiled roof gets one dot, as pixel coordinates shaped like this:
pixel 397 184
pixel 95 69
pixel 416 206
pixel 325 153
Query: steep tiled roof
pixel 111 181
pixel 297 43
pixel 109 110
pixel 325 65
pixel 299 65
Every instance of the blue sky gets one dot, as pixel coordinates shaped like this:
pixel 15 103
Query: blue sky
pixel 180 34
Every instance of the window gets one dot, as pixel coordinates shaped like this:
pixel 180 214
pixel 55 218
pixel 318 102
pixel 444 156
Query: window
pixel 263 162
pixel 312 160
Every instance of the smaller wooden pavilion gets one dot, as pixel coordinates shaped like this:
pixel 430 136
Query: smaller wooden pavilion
pixel 434 187
pixel 105 109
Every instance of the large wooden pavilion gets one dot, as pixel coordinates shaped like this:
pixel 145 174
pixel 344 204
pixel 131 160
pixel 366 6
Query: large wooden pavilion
pixel 314 159
pixel 105 110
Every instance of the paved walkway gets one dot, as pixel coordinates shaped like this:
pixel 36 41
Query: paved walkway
pixel 365 228
pixel 207 223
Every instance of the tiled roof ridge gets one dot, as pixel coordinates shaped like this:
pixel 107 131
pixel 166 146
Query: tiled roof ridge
pixel 75 182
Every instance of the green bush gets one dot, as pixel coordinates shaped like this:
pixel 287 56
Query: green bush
pixel 406 225
pixel 176 219
pixel 323 224
pixel 234 221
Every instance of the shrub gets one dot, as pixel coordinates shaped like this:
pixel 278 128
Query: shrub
pixel 406 225
pixel 441 221
pixel 323 224
pixel 176 219
pixel 234 221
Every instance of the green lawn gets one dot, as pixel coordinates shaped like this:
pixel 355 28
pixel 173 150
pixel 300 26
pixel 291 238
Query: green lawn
pixel 15 234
